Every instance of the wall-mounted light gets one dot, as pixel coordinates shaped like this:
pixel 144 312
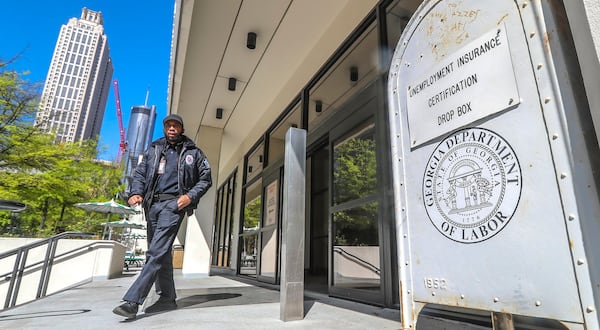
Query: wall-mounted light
pixel 318 105
pixel 250 169
pixel 231 84
pixel 219 113
pixel 260 158
pixel 251 40
pixel 353 74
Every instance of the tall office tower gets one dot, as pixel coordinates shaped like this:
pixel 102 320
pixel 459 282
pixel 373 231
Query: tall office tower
pixel 139 136
pixel 78 81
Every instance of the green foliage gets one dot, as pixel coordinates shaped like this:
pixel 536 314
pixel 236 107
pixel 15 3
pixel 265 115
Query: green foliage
pixel 252 213
pixel 18 100
pixel 356 226
pixel 355 174
pixel 48 177
pixel 355 178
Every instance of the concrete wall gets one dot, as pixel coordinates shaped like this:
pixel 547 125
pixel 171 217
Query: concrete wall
pixel 199 226
pixel 76 262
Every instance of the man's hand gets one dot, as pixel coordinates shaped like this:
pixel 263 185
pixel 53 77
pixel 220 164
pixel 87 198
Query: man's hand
pixel 183 201
pixel 135 199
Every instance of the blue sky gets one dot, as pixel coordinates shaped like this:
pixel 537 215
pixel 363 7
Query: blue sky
pixel 139 37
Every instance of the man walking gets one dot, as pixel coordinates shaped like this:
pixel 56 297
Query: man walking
pixel 169 181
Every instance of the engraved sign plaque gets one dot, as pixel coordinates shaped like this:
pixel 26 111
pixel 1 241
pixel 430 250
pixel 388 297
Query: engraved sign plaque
pixel 472 185
pixel 473 82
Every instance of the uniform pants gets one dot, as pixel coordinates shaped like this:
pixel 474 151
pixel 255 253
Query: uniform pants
pixel 163 221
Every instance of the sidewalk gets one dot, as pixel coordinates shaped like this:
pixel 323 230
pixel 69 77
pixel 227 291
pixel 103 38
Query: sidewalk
pixel 214 302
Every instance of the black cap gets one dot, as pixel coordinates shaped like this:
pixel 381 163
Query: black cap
pixel 174 117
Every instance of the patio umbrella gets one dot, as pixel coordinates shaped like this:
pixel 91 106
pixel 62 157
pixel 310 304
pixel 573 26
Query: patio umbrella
pixel 14 206
pixel 110 207
pixel 125 224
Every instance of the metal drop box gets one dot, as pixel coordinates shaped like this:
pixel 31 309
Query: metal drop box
pixel 495 163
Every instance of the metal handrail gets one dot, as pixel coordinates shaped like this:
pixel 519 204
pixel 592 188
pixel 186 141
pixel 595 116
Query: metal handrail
pixel 19 268
pixel 358 260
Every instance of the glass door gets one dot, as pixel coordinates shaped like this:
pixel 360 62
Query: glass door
pixel 269 229
pixel 250 229
pixel 354 212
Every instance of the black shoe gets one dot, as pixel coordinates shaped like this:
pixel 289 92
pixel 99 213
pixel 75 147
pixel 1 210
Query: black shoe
pixel 162 305
pixel 127 309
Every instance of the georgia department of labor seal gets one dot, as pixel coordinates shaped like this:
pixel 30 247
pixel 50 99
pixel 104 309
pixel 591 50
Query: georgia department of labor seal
pixel 472 185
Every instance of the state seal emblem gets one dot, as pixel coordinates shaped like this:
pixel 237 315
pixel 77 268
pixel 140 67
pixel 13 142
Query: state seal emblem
pixel 472 185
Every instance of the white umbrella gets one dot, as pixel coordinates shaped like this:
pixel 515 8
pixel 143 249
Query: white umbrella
pixel 111 207
pixel 119 224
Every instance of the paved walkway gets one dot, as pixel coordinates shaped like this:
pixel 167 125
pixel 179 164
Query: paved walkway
pixel 213 302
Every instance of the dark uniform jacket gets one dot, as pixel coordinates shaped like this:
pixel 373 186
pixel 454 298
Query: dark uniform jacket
pixel 193 173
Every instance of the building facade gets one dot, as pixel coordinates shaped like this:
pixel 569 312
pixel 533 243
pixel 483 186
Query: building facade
pixel 139 137
pixel 244 72
pixel 78 81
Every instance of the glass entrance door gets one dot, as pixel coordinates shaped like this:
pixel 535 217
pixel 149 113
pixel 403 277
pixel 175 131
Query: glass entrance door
pixel 269 234
pixel 356 250
pixel 355 233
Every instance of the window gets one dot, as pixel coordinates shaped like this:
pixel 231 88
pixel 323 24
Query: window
pixel 351 73
pixel 221 254
pixel 354 165
pixel 250 228
pixel 254 165
pixel 269 231
pixel 277 136
pixel 355 215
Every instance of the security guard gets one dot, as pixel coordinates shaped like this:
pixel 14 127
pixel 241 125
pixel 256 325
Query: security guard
pixel 169 181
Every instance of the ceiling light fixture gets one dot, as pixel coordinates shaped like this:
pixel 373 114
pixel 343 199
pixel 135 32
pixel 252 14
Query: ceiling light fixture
pixel 219 113
pixel 353 74
pixel 251 41
pixel 231 84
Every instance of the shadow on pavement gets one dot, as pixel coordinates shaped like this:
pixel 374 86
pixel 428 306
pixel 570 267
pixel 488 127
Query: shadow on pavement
pixel 10 317
pixel 204 298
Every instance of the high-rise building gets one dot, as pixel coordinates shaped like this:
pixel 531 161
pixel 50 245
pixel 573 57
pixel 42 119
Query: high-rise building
pixel 78 82
pixel 139 136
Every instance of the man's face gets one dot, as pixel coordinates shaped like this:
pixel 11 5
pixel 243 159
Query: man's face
pixel 173 130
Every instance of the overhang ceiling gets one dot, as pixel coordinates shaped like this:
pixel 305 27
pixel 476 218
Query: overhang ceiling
pixel 294 39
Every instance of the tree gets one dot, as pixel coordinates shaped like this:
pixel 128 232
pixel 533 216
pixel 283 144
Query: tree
pixel 18 104
pixel 49 177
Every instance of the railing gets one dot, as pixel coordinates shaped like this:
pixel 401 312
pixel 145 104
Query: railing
pixel 20 266
pixel 358 260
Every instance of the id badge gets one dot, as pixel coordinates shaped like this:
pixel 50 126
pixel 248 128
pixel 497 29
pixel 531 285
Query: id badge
pixel 161 165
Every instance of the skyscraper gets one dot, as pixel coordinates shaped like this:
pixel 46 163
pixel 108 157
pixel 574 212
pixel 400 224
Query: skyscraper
pixel 78 81
pixel 139 137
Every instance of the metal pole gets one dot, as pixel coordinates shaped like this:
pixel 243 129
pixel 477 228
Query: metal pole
pixel 292 235
pixel 13 278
